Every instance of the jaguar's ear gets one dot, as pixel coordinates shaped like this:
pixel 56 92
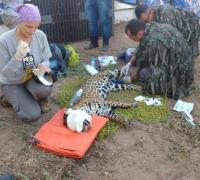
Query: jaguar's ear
pixel 65 116
pixel 65 119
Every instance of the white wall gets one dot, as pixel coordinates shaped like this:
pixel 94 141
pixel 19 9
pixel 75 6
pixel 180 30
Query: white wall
pixel 123 12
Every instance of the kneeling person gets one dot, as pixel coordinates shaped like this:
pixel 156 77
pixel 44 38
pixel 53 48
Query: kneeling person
pixel 163 59
pixel 186 22
pixel 23 52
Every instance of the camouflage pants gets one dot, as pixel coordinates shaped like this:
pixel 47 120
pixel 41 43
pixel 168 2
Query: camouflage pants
pixel 145 74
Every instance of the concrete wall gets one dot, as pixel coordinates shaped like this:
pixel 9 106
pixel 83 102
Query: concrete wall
pixel 123 12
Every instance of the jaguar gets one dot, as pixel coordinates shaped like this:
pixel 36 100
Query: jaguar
pixel 96 89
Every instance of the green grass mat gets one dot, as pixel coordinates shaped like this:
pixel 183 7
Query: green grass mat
pixel 147 114
pixel 144 113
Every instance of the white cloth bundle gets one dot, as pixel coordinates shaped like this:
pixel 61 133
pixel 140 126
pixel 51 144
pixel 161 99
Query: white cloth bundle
pixel 76 118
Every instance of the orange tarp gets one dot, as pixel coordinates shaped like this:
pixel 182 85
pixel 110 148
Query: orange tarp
pixel 55 137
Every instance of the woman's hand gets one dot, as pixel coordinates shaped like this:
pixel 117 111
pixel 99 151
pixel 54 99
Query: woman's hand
pixel 22 50
pixel 41 70
pixel 44 68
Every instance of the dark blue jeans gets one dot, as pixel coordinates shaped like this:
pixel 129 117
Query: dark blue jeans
pixel 98 10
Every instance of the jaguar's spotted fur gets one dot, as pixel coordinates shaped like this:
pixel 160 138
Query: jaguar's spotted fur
pixel 95 91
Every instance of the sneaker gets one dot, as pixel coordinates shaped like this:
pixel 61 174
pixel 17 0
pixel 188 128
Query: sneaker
pixel 104 48
pixel 44 105
pixel 105 45
pixel 90 46
pixel 93 43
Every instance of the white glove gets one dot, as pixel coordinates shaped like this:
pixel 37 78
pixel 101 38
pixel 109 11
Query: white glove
pixel 22 50
pixel 125 69
pixel 126 79
pixel 38 71
pixel 41 70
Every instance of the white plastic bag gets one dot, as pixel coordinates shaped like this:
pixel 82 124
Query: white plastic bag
pixel 76 118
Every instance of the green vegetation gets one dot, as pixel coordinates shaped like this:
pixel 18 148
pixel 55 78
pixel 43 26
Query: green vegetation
pixel 144 113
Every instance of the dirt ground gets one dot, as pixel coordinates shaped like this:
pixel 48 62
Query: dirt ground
pixel 161 151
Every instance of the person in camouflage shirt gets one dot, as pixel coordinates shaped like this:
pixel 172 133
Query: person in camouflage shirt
pixel 163 59
pixel 185 21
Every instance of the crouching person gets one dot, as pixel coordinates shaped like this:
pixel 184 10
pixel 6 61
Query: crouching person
pixel 24 52
pixel 163 59
pixel 186 22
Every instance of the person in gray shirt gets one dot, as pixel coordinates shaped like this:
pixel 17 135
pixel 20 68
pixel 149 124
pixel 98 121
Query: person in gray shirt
pixel 24 54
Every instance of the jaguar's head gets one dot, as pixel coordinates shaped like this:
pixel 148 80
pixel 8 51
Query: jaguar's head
pixel 77 120
pixel 112 74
